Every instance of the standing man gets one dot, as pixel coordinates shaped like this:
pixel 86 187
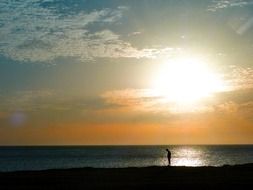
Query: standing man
pixel 168 156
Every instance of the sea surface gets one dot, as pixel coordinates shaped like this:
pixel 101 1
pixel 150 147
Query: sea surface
pixel 51 157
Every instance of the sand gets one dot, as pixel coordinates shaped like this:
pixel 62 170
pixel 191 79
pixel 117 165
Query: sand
pixel 154 177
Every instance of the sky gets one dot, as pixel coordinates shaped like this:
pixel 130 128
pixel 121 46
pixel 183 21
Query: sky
pixel 91 72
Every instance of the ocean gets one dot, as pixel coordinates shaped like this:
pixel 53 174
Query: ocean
pixel 21 158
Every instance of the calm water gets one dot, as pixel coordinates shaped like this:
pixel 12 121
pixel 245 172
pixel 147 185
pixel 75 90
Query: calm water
pixel 37 158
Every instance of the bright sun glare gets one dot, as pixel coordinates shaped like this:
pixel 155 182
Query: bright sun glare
pixel 186 80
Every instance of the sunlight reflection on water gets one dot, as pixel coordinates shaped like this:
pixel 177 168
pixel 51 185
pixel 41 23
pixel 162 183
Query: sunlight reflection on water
pixel 187 156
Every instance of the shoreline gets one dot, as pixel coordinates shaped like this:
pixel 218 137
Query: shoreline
pixel 151 177
pixel 130 167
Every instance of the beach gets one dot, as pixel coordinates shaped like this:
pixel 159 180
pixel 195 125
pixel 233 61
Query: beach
pixel 153 177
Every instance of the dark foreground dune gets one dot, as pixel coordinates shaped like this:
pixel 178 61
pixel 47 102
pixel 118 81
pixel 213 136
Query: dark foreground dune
pixel 226 177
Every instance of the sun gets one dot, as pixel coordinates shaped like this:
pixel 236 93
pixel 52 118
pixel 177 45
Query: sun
pixel 186 80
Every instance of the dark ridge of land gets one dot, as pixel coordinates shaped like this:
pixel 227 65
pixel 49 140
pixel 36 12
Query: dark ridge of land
pixel 154 177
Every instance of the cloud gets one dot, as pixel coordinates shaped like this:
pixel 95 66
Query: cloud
pixel 147 100
pixel 237 99
pixel 226 107
pixel 239 77
pixel 27 100
pixel 134 33
pixel 139 99
pixel 44 107
pixel 246 110
pixel 33 101
pixel 33 32
pixel 47 106
pixel 223 4
pixel 236 109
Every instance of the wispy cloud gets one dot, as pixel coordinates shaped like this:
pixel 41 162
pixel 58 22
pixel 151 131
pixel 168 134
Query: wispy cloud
pixel 231 107
pixel 138 99
pixel 26 100
pixel 143 101
pixel 31 32
pixel 223 4
pixel 239 77
pixel 118 106
pixel 134 33
pixel 236 79
pixel 147 100
pixel 50 106
pixel 226 107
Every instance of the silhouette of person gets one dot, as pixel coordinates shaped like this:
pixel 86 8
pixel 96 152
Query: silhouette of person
pixel 168 156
